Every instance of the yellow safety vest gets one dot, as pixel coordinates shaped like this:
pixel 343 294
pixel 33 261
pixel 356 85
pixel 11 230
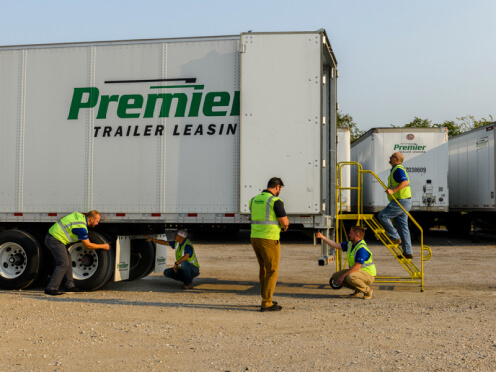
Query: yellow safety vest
pixel 404 193
pixel 368 266
pixel 62 230
pixel 264 223
pixel 180 253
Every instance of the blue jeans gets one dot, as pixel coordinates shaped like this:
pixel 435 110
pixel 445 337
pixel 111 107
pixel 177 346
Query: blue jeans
pixel 394 211
pixel 186 273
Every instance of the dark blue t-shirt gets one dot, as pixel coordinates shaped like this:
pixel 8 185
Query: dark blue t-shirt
pixel 81 232
pixel 187 249
pixel 399 175
pixel 361 256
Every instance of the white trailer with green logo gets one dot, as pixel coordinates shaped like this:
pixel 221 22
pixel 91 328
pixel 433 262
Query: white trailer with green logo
pixel 426 161
pixel 158 134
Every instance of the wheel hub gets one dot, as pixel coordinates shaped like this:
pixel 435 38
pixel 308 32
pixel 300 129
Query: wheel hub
pixel 16 259
pixel 13 260
pixel 84 261
pixel 87 260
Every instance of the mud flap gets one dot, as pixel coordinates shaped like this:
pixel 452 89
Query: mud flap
pixel 122 258
pixel 160 256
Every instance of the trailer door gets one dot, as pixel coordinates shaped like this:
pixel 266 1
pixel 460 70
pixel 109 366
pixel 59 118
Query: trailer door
pixel 281 118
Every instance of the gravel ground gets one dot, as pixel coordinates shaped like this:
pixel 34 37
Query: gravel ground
pixel 152 324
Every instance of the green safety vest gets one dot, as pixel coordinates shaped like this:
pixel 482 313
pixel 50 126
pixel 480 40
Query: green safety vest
pixel 264 223
pixel 180 253
pixel 406 192
pixel 368 266
pixel 62 230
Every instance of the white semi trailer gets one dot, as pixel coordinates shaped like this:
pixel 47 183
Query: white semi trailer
pixel 472 179
pixel 426 160
pixel 159 134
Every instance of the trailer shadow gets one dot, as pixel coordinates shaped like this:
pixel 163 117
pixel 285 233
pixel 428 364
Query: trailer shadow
pixel 203 287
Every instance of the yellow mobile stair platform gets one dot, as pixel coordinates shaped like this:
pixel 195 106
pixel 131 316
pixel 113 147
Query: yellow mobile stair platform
pixel 415 275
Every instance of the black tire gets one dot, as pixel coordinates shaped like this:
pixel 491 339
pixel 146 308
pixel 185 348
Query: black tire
pixel 459 224
pixel 92 268
pixel 335 285
pixel 21 258
pixel 142 259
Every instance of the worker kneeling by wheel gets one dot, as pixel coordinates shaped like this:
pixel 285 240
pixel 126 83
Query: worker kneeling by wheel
pixel 361 272
pixel 186 267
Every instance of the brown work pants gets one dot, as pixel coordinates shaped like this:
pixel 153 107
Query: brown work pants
pixel 268 253
pixel 358 280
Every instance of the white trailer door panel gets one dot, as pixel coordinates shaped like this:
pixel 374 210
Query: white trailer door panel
pixel 281 118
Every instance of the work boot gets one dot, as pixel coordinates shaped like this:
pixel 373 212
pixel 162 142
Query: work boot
pixel 355 294
pixel 187 285
pixel 396 241
pixel 368 294
pixel 53 292
pixel 407 256
pixel 271 308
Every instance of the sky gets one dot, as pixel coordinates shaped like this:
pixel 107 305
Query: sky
pixel 397 59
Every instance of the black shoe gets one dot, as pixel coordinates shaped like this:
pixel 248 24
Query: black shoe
pixel 271 308
pixel 53 292
pixel 408 256
pixel 74 289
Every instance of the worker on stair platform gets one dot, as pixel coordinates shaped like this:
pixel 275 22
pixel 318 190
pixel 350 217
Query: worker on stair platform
pixel 399 187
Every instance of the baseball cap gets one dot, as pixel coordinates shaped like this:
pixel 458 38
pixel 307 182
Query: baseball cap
pixel 183 233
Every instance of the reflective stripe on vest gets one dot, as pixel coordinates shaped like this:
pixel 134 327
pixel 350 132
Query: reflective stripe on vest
pixel 62 229
pixel 404 193
pixel 180 253
pixel 368 266
pixel 264 222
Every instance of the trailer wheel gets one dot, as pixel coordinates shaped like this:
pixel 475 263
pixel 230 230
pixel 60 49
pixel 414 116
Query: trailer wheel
pixel 21 256
pixel 91 268
pixel 335 285
pixel 142 259
pixel 460 224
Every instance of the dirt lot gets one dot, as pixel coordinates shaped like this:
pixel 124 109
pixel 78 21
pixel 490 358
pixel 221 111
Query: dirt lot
pixel 152 324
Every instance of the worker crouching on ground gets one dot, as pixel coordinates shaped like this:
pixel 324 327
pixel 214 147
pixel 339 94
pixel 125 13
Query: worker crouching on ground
pixel 186 266
pixel 361 272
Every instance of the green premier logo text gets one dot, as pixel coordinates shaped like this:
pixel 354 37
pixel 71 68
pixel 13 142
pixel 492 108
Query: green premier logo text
pixel 413 147
pixel 157 105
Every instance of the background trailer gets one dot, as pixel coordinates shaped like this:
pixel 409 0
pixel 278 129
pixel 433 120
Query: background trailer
pixel 426 160
pixel 472 179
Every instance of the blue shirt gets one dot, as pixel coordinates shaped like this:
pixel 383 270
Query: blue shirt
pixel 81 232
pixel 361 256
pixel 188 249
pixel 399 175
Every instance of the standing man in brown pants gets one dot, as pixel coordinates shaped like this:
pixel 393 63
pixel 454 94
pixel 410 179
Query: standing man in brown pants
pixel 268 218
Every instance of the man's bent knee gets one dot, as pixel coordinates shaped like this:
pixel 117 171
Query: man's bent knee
pixel 169 273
